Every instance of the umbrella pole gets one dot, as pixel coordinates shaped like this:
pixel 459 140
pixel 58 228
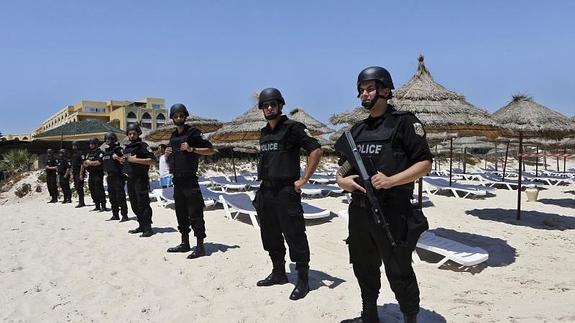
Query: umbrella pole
pixel 520 176
pixel 545 159
pixel 436 157
pixel 496 157
pixel 558 169
pixel 485 164
pixel 564 158
pixel 536 160
pixel 450 158
pixel 420 193
pixel 464 158
pixel 234 166
pixel 505 161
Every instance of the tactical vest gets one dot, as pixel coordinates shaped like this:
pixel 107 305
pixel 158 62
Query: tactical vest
pixel 63 164
pixel 111 166
pixel 77 159
pixel 182 163
pixel 51 161
pixel 379 148
pixel 95 155
pixel 279 159
pixel 138 149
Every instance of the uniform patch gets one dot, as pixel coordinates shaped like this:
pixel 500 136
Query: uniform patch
pixel 149 149
pixel 204 136
pixel 418 127
pixel 306 130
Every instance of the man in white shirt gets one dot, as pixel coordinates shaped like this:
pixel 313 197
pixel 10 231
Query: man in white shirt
pixel 165 177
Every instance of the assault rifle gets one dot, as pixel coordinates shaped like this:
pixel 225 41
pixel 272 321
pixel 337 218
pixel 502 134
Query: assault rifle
pixel 346 146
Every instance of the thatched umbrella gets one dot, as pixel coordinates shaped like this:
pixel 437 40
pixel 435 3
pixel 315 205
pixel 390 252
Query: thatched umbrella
pixel 349 117
pixel 524 117
pixel 315 127
pixel 164 132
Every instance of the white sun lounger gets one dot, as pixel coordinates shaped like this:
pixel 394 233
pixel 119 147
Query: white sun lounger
pixel 165 196
pixel 458 190
pixel 457 252
pixel 241 203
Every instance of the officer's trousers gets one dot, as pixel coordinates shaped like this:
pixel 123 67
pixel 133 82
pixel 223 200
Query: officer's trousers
pixel 52 182
pixel 138 188
pixel 281 216
pixel 189 206
pixel 369 246
pixel 116 193
pixel 79 187
pixel 96 186
pixel 65 186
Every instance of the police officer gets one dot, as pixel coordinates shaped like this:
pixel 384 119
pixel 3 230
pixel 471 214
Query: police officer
pixel 393 143
pixel 93 164
pixel 77 172
pixel 136 162
pixel 186 145
pixel 51 176
pixel 63 170
pixel 278 201
pixel 115 178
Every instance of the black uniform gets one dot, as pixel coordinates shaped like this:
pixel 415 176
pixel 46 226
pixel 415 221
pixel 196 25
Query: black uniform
pixel 187 195
pixel 52 178
pixel 116 181
pixel 389 144
pixel 139 182
pixel 77 160
pixel 64 164
pixel 278 204
pixel 96 179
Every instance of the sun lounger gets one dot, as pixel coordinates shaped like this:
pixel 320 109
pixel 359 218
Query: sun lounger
pixel 321 179
pixel 245 181
pixel 457 252
pixel 166 196
pixel 491 180
pixel 319 189
pixel 436 184
pixel 225 184
pixel 241 203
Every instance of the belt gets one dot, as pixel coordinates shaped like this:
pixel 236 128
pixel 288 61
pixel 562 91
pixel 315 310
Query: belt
pixel 277 183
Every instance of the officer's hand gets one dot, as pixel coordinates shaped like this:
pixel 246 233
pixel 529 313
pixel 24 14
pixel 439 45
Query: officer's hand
pixel 81 177
pixel 185 147
pixel 117 158
pixel 348 184
pixel 168 151
pixel 380 181
pixel 132 159
pixel 297 185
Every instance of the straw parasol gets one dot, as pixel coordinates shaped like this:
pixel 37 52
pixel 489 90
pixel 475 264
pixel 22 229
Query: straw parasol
pixel 523 117
pixel 349 117
pixel 164 132
pixel 315 127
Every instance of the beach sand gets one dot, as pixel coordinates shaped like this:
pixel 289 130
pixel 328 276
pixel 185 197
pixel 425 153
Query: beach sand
pixel 61 264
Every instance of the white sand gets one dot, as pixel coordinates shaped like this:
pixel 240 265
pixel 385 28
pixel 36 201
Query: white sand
pixel 61 264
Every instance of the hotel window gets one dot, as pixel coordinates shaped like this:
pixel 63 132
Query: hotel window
pixel 156 106
pixel 147 121
pixel 94 109
pixel 160 120
pixel 131 117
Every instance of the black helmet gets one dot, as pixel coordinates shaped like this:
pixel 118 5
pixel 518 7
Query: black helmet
pixel 75 143
pixel 178 107
pixel 133 126
pixel 111 135
pixel 270 94
pixel 63 151
pixel 95 141
pixel 375 73
pixel 49 151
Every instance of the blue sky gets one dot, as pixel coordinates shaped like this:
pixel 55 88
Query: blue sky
pixel 213 55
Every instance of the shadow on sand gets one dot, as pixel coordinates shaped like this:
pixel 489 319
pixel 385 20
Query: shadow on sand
pixel 533 219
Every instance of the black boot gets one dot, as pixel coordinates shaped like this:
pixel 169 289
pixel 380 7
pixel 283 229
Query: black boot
pixel 139 229
pixel 302 287
pixel 182 247
pixel 97 207
pixel 410 318
pixel 147 231
pixel 368 314
pixel 53 200
pixel 277 276
pixel 103 207
pixel 199 250
pixel 80 203
pixel 124 218
pixel 114 217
